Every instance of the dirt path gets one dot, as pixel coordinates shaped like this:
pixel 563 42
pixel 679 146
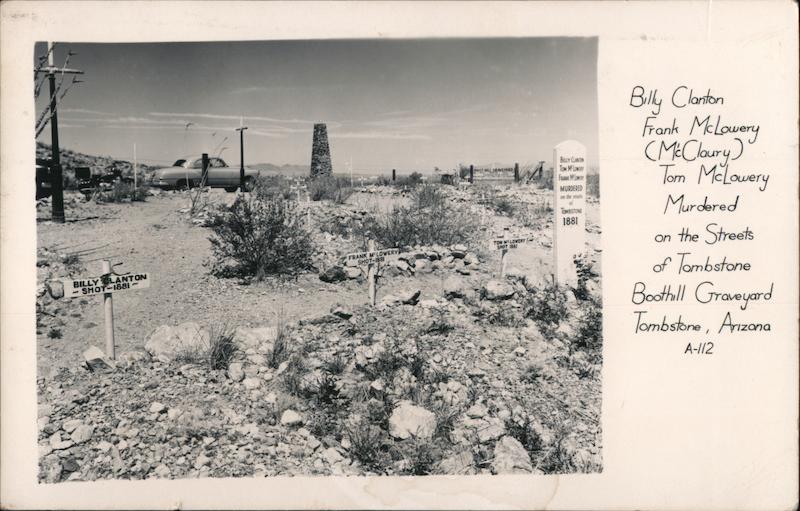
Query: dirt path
pixel 155 237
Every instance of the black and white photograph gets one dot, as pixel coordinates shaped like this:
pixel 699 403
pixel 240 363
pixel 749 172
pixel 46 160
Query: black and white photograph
pixel 363 257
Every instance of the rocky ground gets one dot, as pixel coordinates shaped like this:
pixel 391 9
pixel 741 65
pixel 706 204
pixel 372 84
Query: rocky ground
pixel 456 371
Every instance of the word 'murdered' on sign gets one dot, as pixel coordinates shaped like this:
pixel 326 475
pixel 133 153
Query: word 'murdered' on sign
pixel 99 285
pixel 376 256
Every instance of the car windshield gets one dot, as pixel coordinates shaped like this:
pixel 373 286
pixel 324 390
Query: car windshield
pixel 179 163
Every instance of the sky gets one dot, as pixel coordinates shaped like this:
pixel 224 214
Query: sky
pixel 403 104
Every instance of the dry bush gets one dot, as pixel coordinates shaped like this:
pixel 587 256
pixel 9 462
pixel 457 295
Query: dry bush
pixel 259 237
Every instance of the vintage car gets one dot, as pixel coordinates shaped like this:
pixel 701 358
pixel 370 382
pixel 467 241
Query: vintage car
pixel 187 172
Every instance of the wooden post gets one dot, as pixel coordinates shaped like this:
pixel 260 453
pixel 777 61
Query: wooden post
pixel 394 175
pixel 371 274
pixel 204 172
pixel 516 172
pixel 503 254
pixel 135 165
pixel 108 306
pixel 308 208
pixel 471 174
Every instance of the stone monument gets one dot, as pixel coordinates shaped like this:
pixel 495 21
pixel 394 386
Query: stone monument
pixel 569 189
pixel 320 152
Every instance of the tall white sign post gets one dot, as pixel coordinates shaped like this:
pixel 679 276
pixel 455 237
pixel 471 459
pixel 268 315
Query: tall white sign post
pixel 569 189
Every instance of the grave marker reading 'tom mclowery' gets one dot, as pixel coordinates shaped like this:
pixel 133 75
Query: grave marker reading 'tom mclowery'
pixel 505 244
pixel 569 188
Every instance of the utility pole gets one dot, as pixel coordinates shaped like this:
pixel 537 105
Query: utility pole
pixel 241 129
pixel 56 179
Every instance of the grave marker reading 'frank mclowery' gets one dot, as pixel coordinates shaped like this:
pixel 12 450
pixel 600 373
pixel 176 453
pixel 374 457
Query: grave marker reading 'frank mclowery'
pixel 371 258
pixel 569 188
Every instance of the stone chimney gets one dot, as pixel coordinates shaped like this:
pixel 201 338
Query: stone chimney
pixel 320 152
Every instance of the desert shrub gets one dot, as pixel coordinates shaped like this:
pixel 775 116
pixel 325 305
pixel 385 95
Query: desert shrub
pixel 221 349
pixel 121 191
pixel 258 237
pixel 411 180
pixel 535 216
pixel 328 392
pixel 54 333
pixel 428 196
pixel 330 188
pixel 586 272
pixel 409 226
pixel 500 316
pixel 547 306
pixel 531 373
pixel 273 187
pixel 502 205
pixel 589 337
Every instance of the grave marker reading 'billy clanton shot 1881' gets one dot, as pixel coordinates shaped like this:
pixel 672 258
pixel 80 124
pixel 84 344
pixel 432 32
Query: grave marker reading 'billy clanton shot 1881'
pixel 569 188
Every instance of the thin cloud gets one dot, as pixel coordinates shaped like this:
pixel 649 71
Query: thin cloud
pixel 237 117
pixel 248 90
pixel 379 135
pixel 84 111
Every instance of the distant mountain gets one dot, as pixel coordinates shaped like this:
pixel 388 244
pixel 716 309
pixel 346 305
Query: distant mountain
pixel 286 169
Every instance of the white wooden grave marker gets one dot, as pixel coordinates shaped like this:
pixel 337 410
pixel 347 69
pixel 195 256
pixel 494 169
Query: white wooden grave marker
pixel 106 284
pixel 569 189
pixel 372 258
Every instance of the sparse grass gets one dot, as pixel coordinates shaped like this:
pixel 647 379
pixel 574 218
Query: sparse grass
pixel 368 444
pixel 259 237
pixel 556 460
pixel 421 456
pixel 280 348
pixel 293 377
pixel 222 348
pixel 524 433
pixel 335 365
pixel 323 422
